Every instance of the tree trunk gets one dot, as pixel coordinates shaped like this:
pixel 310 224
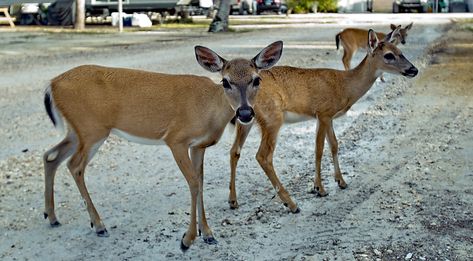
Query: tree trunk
pixel 220 21
pixel 79 23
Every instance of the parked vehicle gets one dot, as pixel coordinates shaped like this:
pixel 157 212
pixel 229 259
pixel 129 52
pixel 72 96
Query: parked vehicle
pixel 458 6
pixel 277 6
pixel 94 7
pixel 404 6
pixel 241 7
pixel 186 8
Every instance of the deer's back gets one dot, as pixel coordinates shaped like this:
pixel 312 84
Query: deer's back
pixel 356 38
pixel 141 103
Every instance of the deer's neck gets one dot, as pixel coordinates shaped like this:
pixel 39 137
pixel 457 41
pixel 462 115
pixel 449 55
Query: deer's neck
pixel 361 78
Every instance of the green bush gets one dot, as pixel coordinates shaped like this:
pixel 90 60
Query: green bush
pixel 306 6
pixel 300 6
pixel 327 6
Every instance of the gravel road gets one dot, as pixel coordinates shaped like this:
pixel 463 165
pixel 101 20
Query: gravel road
pixel 405 151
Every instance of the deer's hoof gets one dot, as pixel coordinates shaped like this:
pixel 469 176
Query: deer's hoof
pixel 342 184
pixel 317 191
pixel 233 204
pixel 184 248
pixel 294 210
pixel 55 224
pixel 210 240
pixel 102 233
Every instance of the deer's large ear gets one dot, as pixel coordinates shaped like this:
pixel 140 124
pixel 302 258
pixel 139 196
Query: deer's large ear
pixel 393 27
pixel 409 26
pixel 269 56
pixel 372 41
pixel 391 36
pixel 209 59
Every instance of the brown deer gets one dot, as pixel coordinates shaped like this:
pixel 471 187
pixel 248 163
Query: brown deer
pixel 185 112
pixel 353 39
pixel 290 94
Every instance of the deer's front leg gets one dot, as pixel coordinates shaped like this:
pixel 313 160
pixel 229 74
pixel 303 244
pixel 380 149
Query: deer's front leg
pixel 240 138
pixel 197 157
pixel 181 155
pixel 319 150
pixel 332 139
pixel 265 159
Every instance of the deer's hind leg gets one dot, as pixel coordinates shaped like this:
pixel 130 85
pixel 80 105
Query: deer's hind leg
pixel 85 151
pixel 51 160
pixel 348 53
pixel 319 150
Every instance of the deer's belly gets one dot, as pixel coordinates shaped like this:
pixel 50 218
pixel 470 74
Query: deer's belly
pixel 342 112
pixel 137 139
pixel 292 117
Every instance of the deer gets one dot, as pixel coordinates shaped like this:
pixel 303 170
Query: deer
pixel 290 94
pixel 354 39
pixel 188 113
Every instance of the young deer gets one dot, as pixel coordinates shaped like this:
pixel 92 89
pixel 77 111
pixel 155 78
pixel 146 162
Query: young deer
pixel 291 94
pixel 353 39
pixel 185 112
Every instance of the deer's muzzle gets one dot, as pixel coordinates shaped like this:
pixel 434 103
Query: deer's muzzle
pixel 411 72
pixel 245 114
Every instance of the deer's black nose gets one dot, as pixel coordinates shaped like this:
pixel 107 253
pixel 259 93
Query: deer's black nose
pixel 411 72
pixel 245 114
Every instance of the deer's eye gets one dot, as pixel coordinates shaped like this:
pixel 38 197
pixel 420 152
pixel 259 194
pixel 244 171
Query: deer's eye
pixel 256 82
pixel 389 56
pixel 226 84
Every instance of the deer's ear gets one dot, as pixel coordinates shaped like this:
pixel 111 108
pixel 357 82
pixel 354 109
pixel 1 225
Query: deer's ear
pixel 393 27
pixel 208 59
pixel 269 56
pixel 409 26
pixel 372 41
pixel 391 36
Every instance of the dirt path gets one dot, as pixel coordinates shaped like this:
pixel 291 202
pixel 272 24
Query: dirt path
pixel 406 150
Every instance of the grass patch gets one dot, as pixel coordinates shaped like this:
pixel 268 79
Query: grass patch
pixel 465 24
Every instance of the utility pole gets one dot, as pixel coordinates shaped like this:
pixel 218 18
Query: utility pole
pixel 120 16
pixel 79 23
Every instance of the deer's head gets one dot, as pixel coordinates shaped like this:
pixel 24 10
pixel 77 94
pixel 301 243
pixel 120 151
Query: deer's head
pixel 387 57
pixel 401 35
pixel 240 77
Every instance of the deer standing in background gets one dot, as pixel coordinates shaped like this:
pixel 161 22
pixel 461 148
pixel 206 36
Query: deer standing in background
pixel 187 113
pixel 353 39
pixel 290 94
